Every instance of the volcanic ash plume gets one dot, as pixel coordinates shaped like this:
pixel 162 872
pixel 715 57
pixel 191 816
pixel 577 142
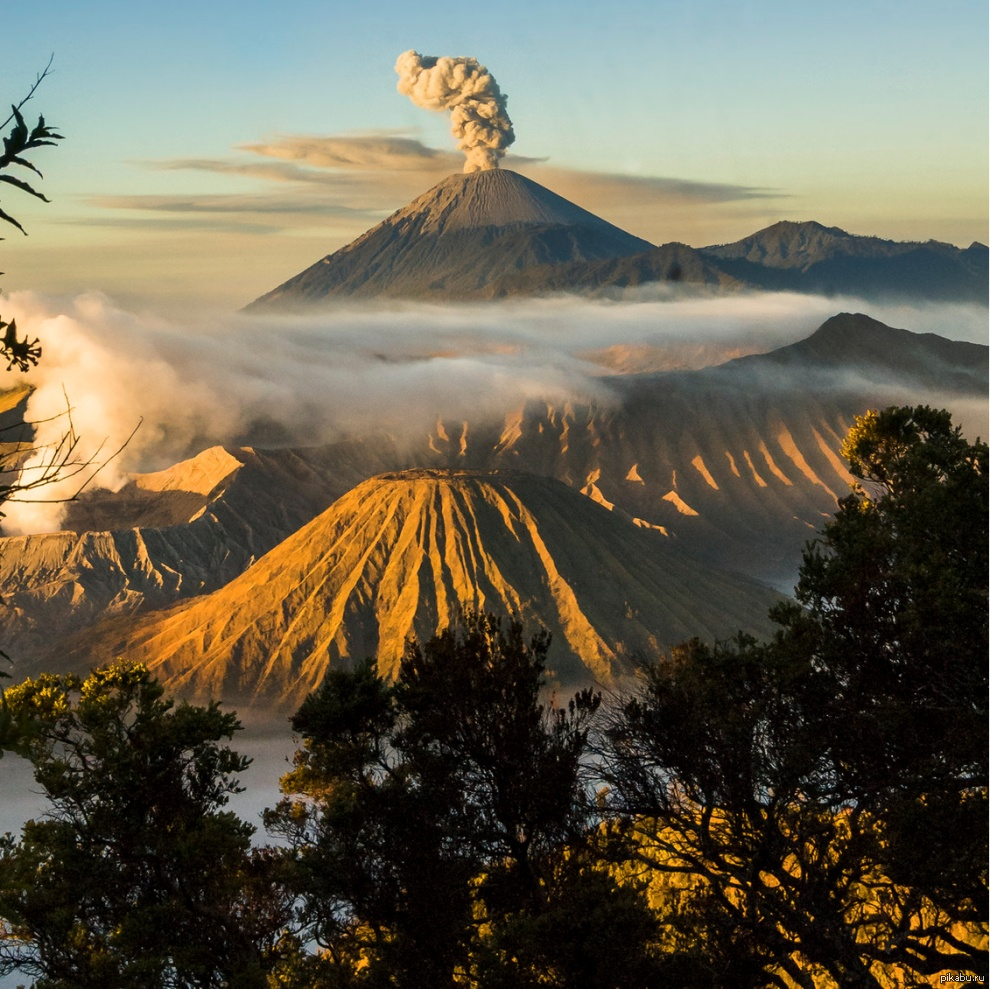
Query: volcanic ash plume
pixel 479 119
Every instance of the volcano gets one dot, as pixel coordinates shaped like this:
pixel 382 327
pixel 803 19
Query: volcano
pixel 495 234
pixel 405 554
pixel 458 241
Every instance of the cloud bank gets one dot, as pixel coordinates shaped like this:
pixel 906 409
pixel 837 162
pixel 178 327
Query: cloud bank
pixel 269 380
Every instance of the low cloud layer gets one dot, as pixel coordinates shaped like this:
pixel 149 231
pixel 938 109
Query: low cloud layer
pixel 308 380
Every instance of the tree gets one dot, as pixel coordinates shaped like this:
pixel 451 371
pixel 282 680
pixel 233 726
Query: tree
pixel 441 825
pixel 822 796
pixel 137 877
pixel 379 881
pixel 62 459
pixel 895 613
pixel 18 144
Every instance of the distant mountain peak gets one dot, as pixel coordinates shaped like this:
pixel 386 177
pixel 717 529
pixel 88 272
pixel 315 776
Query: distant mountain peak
pixel 785 244
pixel 799 227
pixel 809 257
pixel 857 342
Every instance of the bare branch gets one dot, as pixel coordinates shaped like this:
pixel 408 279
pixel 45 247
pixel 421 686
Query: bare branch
pixel 37 82
pixel 62 462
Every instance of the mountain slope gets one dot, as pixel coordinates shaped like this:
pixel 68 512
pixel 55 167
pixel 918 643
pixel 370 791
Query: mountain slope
pixel 675 264
pixel 454 241
pixel 738 463
pixel 406 553
pixel 167 536
pixel 849 342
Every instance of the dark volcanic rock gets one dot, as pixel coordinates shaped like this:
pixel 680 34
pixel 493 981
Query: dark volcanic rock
pixel 455 241
pixel 674 264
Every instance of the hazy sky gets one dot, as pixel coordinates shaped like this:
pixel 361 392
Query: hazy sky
pixel 214 148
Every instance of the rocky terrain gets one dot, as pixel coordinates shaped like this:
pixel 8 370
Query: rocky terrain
pixel 727 469
pixel 406 553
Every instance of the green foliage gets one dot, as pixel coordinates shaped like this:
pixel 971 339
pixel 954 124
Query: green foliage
pixel 895 615
pixel 514 760
pixel 441 825
pixel 137 877
pixel 824 794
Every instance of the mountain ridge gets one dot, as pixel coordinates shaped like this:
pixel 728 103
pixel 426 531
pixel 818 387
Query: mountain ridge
pixel 496 234
pixel 737 464
pixel 848 341
pixel 801 243
pixel 807 256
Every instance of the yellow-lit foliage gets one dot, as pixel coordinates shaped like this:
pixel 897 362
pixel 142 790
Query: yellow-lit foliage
pixel 697 859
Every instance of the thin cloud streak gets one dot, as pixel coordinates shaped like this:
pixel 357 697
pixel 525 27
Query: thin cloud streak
pixel 370 151
pixel 608 188
pixel 364 177
pixel 232 203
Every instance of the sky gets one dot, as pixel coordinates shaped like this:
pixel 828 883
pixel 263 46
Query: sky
pixel 213 149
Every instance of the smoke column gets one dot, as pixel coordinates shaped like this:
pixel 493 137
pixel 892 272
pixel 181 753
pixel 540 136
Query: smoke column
pixel 479 119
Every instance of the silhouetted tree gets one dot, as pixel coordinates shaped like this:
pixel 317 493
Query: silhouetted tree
pixel 18 143
pixel 894 614
pixel 62 460
pixel 821 798
pixel 136 877
pixel 441 824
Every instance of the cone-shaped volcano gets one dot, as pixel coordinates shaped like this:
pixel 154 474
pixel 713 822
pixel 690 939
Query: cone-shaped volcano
pixel 457 241
pixel 405 554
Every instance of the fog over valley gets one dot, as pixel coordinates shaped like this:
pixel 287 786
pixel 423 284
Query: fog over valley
pixel 270 380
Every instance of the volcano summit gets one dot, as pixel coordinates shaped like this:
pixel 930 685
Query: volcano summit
pixel 458 240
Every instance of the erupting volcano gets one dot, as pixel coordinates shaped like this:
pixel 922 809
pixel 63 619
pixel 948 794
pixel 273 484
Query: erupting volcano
pixel 458 240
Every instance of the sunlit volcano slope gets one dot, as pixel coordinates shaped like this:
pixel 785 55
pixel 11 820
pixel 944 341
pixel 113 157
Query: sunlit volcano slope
pixel 738 463
pixel 174 534
pixel 406 553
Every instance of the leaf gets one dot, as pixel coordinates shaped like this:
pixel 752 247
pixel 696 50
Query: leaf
pixel 22 185
pixel 24 163
pixel 9 219
pixel 20 128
